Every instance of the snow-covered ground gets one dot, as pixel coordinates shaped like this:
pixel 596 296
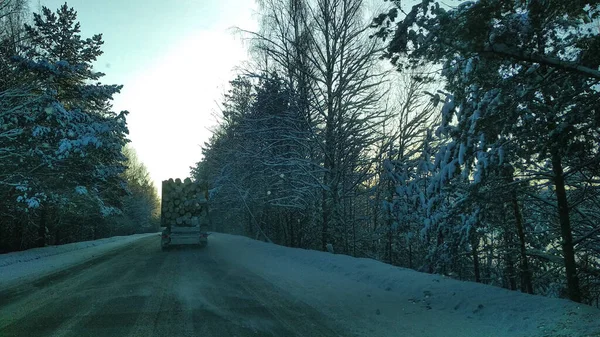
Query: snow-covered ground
pixel 33 263
pixel 383 300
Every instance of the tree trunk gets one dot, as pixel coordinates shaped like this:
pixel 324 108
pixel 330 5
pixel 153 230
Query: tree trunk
pixel 389 242
pixel 328 190
pixel 57 234
pixel 526 284
pixel 353 217
pixel 439 244
pixel 475 253
pixel 510 272
pixel 325 223
pixel 41 241
pixel 510 264
pixel 565 227
pixel 525 272
pixel 330 143
pixel 376 209
pixel 20 229
pixel 292 228
pixel 489 248
pixel 390 222
pixel 344 221
pixel 249 226
pixel 429 258
pixel 281 223
pixel 410 256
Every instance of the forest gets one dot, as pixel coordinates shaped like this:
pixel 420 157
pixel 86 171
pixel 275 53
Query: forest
pixel 455 138
pixel 452 137
pixel 67 173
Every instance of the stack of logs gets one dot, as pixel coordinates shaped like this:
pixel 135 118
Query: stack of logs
pixel 183 203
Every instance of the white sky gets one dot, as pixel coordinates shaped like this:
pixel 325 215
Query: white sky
pixel 175 59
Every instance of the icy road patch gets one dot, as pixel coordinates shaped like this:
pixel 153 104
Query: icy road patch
pixel 21 266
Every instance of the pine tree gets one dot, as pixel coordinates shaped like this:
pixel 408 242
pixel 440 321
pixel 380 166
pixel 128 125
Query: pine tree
pixel 518 72
pixel 63 143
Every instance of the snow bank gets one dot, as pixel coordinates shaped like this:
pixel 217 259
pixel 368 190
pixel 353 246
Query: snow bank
pixel 376 299
pixel 41 261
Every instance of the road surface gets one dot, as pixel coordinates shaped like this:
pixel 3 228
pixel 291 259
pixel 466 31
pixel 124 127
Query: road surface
pixel 140 291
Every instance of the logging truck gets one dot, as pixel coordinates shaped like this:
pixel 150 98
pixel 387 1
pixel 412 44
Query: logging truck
pixel 184 214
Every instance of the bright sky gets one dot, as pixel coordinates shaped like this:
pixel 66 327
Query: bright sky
pixel 174 59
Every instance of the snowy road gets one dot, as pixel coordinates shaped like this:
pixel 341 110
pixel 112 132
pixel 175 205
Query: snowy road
pixel 141 291
pixel 242 287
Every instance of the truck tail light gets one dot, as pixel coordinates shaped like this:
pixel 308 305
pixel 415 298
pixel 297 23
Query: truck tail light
pixel 165 236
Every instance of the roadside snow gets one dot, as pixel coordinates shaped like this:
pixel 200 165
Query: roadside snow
pixel 37 262
pixel 376 299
